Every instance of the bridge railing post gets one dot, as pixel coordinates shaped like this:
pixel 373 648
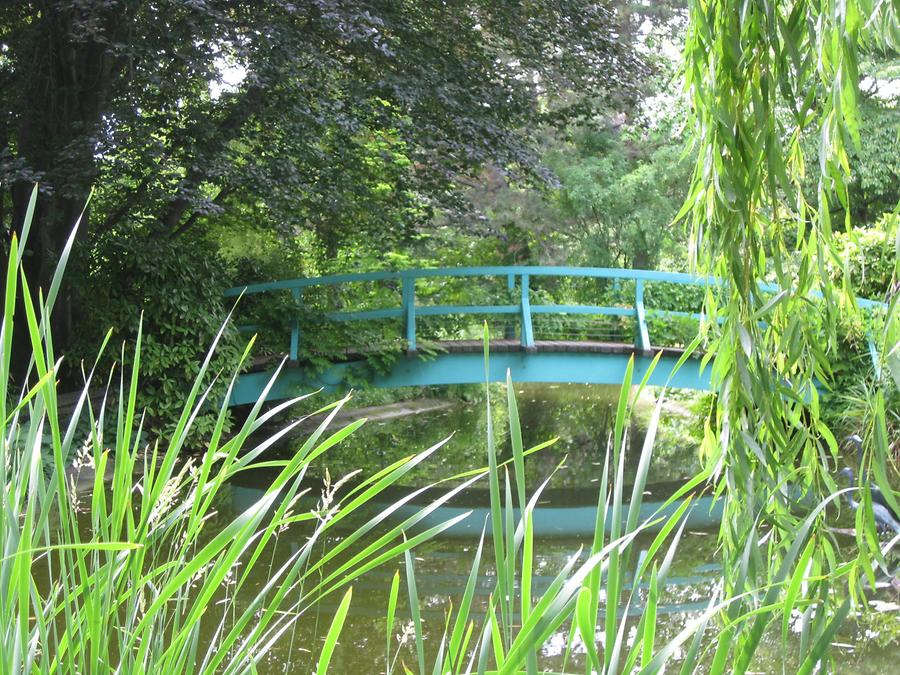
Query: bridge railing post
pixel 527 328
pixel 509 323
pixel 641 335
pixel 409 311
pixel 295 329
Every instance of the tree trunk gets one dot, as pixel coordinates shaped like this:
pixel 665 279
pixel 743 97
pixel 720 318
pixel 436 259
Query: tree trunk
pixel 56 138
pixel 643 257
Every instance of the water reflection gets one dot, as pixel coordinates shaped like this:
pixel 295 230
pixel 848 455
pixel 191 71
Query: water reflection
pixel 442 567
pixel 581 417
pixel 565 517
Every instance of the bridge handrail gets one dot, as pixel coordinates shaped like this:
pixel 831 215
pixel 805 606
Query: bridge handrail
pixel 409 310
pixel 493 271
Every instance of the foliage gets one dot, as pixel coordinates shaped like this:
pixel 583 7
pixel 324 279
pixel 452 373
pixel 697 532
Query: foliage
pixel 868 257
pixel 331 116
pixel 179 283
pixel 875 167
pixel 139 574
pixel 758 77
pixel 673 311
pixel 623 187
pixel 619 180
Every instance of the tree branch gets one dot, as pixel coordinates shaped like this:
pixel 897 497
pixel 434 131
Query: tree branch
pixel 227 130
pixel 116 215
pixel 217 200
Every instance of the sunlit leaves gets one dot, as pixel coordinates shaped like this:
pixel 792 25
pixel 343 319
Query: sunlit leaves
pixel 759 76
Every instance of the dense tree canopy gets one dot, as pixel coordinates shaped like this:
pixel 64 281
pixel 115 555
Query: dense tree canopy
pixel 340 114
pixel 301 126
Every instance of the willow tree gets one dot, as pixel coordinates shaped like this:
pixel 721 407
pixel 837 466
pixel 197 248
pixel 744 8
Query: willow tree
pixel 760 75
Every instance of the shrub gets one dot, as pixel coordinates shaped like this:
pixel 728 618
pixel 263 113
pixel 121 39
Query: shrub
pixel 173 288
pixel 870 256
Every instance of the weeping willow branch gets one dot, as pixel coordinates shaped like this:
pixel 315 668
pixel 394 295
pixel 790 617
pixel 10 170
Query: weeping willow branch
pixel 759 76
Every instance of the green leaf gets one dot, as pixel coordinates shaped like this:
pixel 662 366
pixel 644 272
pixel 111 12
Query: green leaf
pixel 389 619
pixel 334 632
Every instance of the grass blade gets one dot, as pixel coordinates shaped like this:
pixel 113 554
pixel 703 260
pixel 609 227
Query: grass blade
pixel 334 632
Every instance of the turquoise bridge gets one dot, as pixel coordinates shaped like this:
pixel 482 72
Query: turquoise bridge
pixel 405 299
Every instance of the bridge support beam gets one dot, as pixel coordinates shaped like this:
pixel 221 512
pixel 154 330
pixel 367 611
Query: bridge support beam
pixel 409 312
pixel 297 293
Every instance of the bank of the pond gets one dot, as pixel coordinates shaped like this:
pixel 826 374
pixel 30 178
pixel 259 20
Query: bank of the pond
pixel 380 413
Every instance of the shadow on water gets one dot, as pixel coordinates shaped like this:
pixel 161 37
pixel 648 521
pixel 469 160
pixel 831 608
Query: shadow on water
pixel 560 512
pixel 580 417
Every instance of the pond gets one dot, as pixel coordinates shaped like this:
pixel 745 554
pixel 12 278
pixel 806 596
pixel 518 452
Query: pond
pixel 580 416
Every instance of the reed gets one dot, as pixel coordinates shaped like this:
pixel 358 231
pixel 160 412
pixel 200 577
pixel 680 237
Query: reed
pixel 127 573
pixel 507 638
pixel 599 600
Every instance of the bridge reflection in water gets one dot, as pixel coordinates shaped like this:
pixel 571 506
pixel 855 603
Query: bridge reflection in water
pixel 402 300
pixel 564 523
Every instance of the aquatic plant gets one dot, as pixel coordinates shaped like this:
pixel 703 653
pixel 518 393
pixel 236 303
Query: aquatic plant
pixel 518 622
pixel 114 559
pixel 594 600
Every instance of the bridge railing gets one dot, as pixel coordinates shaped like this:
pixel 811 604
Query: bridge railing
pixel 519 285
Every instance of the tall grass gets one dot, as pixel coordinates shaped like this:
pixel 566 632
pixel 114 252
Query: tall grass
pixel 132 575
pixel 607 604
pixel 591 598
pixel 136 573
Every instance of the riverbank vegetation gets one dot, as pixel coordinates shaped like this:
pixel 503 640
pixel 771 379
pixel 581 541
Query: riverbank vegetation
pixel 228 143
pixel 205 174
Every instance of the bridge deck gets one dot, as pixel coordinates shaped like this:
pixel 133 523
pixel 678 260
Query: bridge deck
pixel 573 346
pixel 461 362
pixel 500 346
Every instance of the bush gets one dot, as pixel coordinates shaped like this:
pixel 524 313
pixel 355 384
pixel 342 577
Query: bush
pixel 178 286
pixel 870 255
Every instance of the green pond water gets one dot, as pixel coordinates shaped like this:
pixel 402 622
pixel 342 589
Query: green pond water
pixel 581 417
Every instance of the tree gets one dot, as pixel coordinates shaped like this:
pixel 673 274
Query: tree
pixel 623 187
pixel 874 183
pixel 116 94
pixel 759 76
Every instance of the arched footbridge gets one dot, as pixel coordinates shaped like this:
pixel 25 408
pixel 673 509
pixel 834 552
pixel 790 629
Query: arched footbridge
pixel 422 327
